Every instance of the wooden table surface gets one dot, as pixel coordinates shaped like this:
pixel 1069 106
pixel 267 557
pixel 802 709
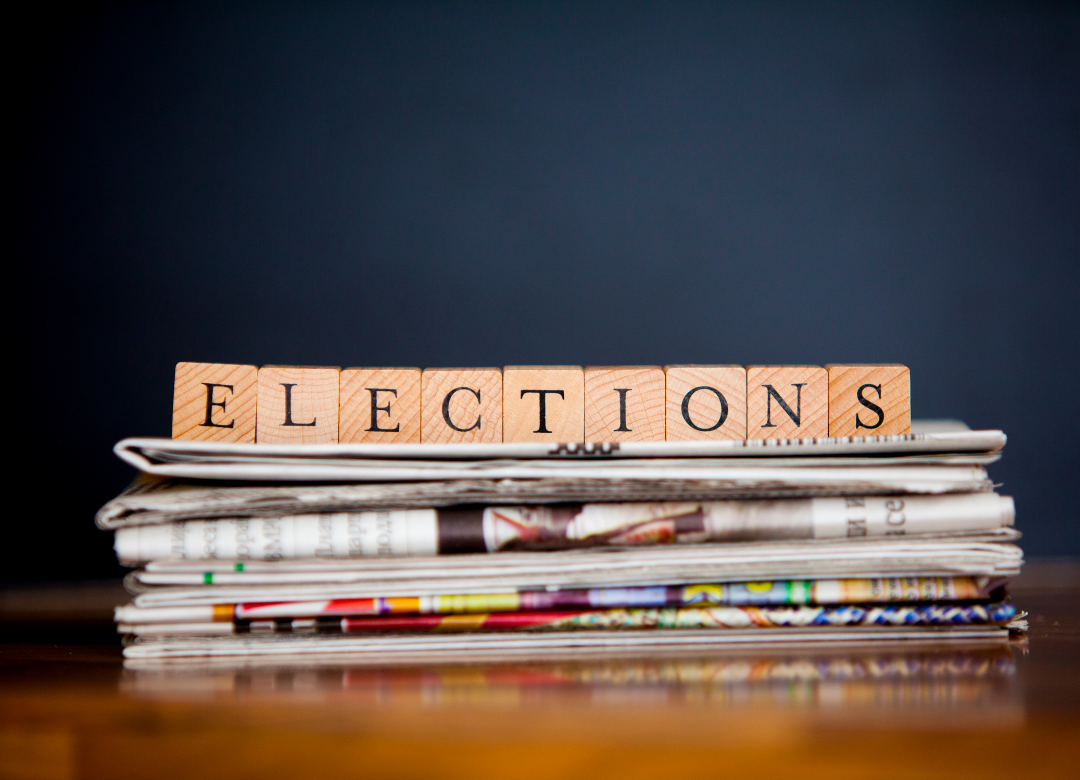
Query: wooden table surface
pixel 69 708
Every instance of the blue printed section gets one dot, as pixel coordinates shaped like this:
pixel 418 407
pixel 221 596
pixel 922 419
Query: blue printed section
pixel 628 597
pixel 937 615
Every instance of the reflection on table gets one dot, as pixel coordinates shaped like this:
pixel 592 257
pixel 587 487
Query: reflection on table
pixel 976 679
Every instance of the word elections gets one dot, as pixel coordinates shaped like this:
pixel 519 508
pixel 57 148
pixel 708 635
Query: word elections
pixel 306 405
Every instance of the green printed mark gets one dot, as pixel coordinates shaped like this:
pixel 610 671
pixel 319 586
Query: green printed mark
pixel 239 566
pixel 208 578
pixel 798 592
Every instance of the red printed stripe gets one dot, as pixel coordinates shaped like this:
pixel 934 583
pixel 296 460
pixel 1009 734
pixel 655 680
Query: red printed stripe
pixel 499 621
pixel 352 607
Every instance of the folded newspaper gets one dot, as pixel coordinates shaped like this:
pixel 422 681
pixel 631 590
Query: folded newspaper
pixel 406 552
pixel 554 527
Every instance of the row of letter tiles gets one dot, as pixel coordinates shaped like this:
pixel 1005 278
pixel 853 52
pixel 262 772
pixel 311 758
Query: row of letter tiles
pixel 558 404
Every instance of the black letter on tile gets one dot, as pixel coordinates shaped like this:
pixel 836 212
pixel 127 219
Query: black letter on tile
pixel 795 416
pixel 211 403
pixel 543 406
pixel 873 407
pixel 622 408
pixel 375 409
pixel 686 409
pixel 446 410
pixel 288 407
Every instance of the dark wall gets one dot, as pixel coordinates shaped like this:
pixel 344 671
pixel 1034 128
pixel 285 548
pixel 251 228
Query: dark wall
pixel 487 184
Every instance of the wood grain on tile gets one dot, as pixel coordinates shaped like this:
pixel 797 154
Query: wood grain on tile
pixel 624 403
pixel 706 403
pixel 461 405
pixel 544 403
pixel 379 406
pixel 297 405
pixel 786 402
pixel 214 402
pixel 869 400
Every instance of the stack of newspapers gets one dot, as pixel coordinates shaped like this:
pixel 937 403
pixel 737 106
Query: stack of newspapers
pixel 416 552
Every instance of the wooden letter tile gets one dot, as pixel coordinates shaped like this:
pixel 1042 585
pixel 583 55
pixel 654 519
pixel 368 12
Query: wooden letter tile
pixel 461 405
pixel 706 403
pixel 214 402
pixel 624 403
pixel 786 402
pixel 298 405
pixel 544 403
pixel 869 400
pixel 379 406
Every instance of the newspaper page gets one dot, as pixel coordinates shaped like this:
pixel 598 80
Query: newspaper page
pixel 989 554
pixel 509 646
pixel 617 619
pixel 557 527
pixel 152 499
pixel 762 471
pixel 150 453
pixel 771 593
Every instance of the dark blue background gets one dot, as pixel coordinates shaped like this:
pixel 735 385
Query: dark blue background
pixel 442 184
